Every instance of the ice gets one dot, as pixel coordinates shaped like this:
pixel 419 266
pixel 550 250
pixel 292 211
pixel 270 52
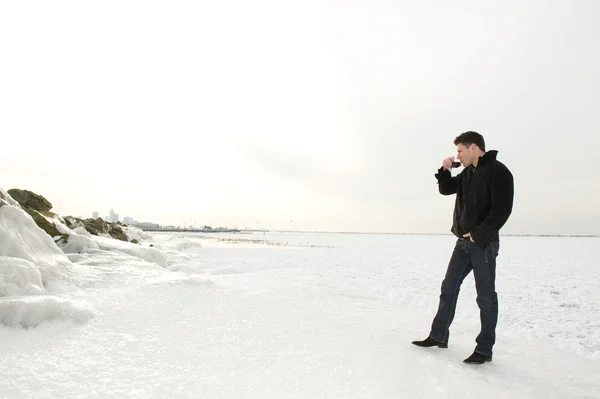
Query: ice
pixel 19 277
pixel 149 254
pixel 282 315
pixel 33 310
pixel 135 234
pixel 79 243
pixel 21 238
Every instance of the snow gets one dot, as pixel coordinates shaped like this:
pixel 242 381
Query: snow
pixel 287 315
pixel 78 243
pixel 135 234
pixel 33 310
pixel 19 277
pixel 147 253
pixel 21 238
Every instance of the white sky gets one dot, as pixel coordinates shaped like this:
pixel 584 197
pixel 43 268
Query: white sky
pixel 307 115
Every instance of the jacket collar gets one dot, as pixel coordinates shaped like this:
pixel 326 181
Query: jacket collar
pixel 489 156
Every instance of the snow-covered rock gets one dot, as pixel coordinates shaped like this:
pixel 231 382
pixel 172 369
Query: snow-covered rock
pixel 21 238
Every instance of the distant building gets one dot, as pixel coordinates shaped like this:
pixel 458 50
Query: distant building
pixel 146 225
pixel 128 220
pixel 114 217
pixel 95 215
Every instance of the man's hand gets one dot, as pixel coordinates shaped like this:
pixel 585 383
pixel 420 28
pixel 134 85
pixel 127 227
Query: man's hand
pixel 469 236
pixel 447 163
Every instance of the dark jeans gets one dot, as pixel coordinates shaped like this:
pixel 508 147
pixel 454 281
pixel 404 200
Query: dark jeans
pixel 466 257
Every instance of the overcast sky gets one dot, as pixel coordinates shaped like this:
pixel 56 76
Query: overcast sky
pixel 323 115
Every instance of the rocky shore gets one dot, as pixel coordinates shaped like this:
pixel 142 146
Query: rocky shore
pixel 44 256
pixel 39 208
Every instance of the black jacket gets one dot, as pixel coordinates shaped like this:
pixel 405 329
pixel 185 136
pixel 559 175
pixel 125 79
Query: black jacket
pixel 484 198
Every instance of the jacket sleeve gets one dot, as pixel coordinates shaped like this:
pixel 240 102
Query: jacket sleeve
pixel 502 193
pixel 447 184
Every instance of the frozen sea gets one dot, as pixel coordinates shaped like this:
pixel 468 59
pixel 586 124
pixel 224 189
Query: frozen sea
pixel 301 315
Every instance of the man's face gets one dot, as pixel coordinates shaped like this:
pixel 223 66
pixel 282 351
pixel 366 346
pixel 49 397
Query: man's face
pixel 466 155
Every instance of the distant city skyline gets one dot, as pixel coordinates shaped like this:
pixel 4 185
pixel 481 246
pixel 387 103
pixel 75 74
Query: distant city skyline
pixel 113 217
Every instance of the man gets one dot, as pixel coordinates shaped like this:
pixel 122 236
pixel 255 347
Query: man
pixel 484 199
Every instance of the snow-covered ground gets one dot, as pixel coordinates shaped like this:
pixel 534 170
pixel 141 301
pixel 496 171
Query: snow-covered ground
pixel 289 315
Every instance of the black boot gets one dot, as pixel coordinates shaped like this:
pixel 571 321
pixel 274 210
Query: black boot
pixel 478 358
pixel 430 342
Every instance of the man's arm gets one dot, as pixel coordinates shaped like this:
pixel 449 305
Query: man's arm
pixel 502 193
pixel 447 184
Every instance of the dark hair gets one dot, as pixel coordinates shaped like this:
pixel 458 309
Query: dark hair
pixel 468 138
